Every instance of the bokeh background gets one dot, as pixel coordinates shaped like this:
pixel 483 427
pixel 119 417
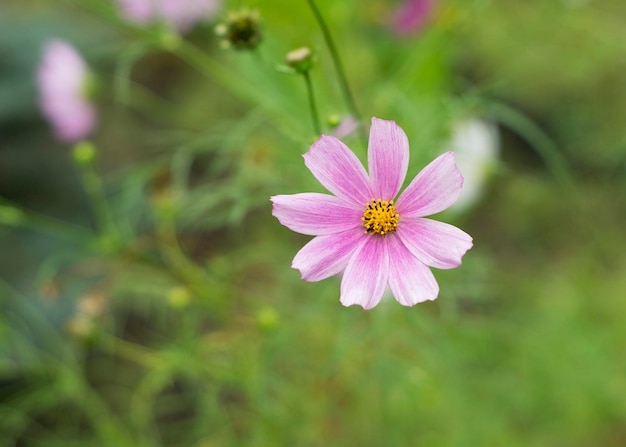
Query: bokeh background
pixel 184 325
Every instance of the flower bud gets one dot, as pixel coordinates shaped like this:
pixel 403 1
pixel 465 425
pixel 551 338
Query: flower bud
pixel 81 327
pixel 343 127
pixel 179 297
pixel 300 59
pixel 333 121
pixel 267 319
pixel 241 30
pixel 84 153
pixel 92 305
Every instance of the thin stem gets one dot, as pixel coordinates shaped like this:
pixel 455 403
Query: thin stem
pixel 236 84
pixel 343 80
pixel 314 115
pixel 129 351
pixel 97 198
pixel 211 68
pixel 199 281
pixel 106 424
pixel 123 70
pixel 19 217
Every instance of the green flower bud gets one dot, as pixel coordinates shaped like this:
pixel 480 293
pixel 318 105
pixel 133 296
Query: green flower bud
pixel 179 297
pixel 84 153
pixel 333 121
pixel 267 319
pixel 300 59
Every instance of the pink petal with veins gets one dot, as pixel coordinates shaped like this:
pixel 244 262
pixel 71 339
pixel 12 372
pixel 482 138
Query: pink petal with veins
pixel 434 189
pixel 388 158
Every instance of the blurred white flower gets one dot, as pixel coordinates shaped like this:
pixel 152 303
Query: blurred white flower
pixel 476 144
pixel 63 79
pixel 181 14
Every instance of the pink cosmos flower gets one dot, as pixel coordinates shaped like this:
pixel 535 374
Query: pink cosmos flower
pixel 411 16
pixel 361 230
pixel 62 78
pixel 181 14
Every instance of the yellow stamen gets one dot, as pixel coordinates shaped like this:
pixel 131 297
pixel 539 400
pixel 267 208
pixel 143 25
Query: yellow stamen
pixel 380 217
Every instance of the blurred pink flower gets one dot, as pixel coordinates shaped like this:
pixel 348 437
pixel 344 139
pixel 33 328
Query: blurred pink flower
pixel 181 14
pixel 411 16
pixel 345 127
pixel 62 78
pixel 361 230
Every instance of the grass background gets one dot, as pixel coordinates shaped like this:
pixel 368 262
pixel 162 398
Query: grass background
pixel 201 335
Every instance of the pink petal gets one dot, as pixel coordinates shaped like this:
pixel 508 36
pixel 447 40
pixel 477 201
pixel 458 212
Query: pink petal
pixel 410 281
pixel 365 278
pixel 434 189
pixel 61 78
pixel 388 158
pixel 315 214
pixel 139 11
pixel 183 14
pixel 434 243
pixel 327 255
pixel 72 121
pixel 339 170
pixel 411 16
pixel 346 127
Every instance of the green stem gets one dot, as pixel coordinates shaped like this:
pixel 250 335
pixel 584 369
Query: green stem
pixel 106 424
pixel 236 84
pixel 123 70
pixel 21 218
pixel 343 80
pixel 199 281
pixel 97 198
pixel 129 351
pixel 208 66
pixel 314 115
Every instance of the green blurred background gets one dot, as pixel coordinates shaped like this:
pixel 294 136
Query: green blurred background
pixel 184 325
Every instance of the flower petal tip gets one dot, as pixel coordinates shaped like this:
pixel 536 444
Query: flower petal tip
pixel 415 303
pixel 300 270
pixel 365 307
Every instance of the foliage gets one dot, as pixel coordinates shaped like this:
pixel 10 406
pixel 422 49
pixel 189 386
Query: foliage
pixel 146 297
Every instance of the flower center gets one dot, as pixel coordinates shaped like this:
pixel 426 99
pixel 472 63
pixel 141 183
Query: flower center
pixel 380 217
